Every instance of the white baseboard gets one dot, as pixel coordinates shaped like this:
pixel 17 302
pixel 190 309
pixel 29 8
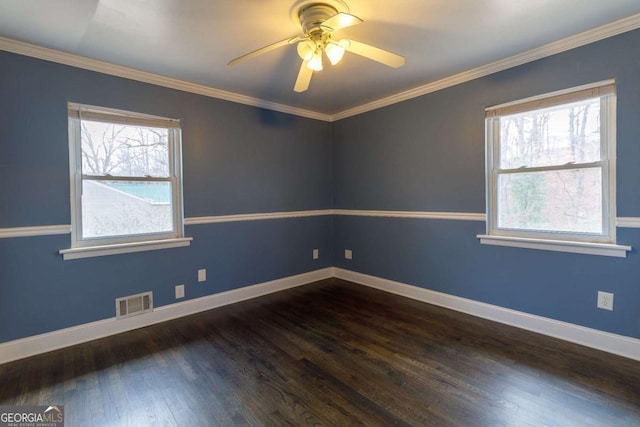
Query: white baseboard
pixel 605 341
pixel 37 344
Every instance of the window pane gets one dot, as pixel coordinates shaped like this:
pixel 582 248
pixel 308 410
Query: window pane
pixel 566 200
pixel 118 208
pixel 551 136
pixel 124 150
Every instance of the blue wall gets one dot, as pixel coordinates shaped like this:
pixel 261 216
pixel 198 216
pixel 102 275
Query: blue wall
pixel 427 154
pixel 237 159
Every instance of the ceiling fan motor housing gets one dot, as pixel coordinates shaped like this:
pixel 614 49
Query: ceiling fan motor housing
pixel 312 17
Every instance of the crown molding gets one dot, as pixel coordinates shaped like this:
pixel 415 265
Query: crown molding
pixel 65 58
pixel 590 36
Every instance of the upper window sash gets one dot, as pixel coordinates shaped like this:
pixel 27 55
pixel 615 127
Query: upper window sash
pixel 112 115
pixel 580 93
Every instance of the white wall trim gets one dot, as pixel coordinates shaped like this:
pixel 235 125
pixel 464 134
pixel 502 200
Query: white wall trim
pixel 618 27
pixel 255 216
pixel 123 248
pixel 589 248
pixel 622 222
pixel 31 346
pixel 605 341
pixel 40 230
pixel 78 61
pixel 460 216
pixel 590 36
pixel 628 222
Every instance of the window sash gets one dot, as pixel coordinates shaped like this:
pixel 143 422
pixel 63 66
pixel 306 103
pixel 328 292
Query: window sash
pixel 567 166
pixel 77 113
pixel 126 178
pixel 581 93
pixel 603 90
pixel 112 115
pixel 564 205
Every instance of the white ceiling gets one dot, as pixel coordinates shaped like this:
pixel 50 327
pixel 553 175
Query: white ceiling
pixel 193 40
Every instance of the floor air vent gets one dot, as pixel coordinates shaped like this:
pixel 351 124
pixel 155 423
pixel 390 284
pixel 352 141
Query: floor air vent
pixel 134 305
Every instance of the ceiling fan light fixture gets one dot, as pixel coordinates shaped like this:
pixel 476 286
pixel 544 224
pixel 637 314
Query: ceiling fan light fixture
pixel 315 63
pixel 306 49
pixel 319 20
pixel 334 52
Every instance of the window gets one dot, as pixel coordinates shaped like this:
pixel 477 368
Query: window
pixel 551 171
pixel 126 182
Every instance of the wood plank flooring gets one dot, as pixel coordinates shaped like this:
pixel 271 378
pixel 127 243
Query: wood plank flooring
pixel 330 353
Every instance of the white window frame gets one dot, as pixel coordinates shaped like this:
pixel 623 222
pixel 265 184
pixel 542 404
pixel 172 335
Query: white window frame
pixel 589 243
pixel 82 247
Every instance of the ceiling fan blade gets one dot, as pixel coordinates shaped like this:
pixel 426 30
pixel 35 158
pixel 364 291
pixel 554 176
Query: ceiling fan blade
pixel 380 55
pixel 304 78
pixel 341 20
pixel 266 49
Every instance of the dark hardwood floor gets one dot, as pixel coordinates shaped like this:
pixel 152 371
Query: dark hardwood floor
pixel 330 353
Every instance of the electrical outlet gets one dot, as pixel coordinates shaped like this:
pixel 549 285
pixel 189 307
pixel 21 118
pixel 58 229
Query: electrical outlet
pixel 605 300
pixel 316 254
pixel 202 275
pixel 179 291
pixel 348 254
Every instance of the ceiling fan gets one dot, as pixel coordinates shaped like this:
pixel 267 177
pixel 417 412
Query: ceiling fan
pixel 319 22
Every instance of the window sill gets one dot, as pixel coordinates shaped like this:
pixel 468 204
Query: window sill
pixel 604 249
pixel 122 248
